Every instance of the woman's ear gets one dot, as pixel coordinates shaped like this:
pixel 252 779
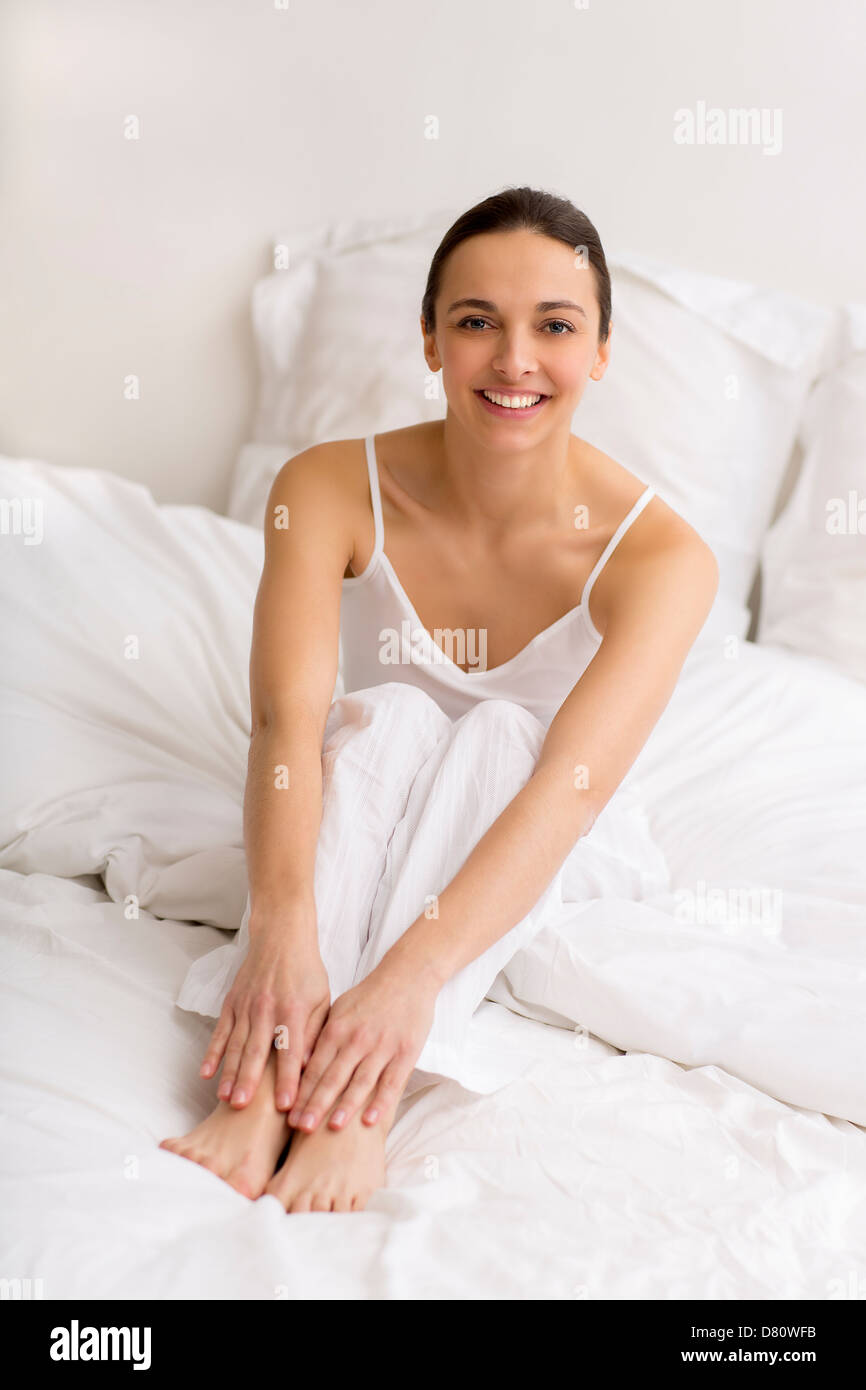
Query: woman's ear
pixel 602 356
pixel 431 354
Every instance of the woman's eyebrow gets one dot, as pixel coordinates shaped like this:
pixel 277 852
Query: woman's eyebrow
pixel 543 307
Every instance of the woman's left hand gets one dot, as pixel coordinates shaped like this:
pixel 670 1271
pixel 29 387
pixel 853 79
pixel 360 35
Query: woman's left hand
pixel 370 1042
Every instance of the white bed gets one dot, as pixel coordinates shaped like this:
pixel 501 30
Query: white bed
pixel 690 1120
pixel 602 1173
pixel 698 1134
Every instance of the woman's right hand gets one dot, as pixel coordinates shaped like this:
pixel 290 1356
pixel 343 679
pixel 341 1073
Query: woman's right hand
pixel 280 998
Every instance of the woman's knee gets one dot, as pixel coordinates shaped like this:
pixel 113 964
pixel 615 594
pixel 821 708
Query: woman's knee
pixel 502 731
pixel 506 718
pixel 397 704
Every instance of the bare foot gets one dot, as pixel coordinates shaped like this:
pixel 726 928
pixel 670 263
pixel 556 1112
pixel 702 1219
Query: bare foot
pixel 333 1169
pixel 242 1146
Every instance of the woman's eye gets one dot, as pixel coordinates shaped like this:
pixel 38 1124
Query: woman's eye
pixel 551 323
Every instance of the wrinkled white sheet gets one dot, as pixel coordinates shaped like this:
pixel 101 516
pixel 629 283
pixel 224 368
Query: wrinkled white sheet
pixel 595 1175
pixel 721 1156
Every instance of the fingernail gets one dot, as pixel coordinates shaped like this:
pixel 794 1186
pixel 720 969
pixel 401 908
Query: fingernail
pixel 239 1097
pixel 307 1119
pixel 372 1116
pixel 338 1117
pixel 225 1090
pixel 282 1100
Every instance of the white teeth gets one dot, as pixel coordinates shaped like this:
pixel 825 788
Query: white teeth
pixel 511 402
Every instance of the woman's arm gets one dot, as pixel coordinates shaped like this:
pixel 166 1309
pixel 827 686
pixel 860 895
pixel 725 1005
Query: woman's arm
pixel 282 984
pixel 656 600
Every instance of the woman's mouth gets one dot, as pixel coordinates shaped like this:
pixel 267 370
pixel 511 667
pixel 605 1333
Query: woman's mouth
pixel 511 405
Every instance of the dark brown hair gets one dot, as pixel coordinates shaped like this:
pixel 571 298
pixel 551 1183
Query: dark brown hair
pixel 537 211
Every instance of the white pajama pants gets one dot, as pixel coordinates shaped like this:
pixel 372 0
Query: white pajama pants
pixel 407 794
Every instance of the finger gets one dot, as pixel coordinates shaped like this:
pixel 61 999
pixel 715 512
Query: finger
pixel 232 1058
pixel 315 1023
pixel 359 1090
pixel 219 1038
pixel 291 1060
pixel 254 1057
pixel 289 1064
pixel 321 1057
pixel 388 1092
pixel 329 1086
pixel 288 1076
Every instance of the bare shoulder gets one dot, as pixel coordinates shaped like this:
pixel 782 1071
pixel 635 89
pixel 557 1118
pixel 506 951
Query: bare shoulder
pixel 661 526
pixel 659 551
pixel 327 486
pixel 335 465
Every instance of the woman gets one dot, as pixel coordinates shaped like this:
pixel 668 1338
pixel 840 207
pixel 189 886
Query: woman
pixel 405 840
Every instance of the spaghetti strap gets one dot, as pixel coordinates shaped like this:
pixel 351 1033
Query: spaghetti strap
pixel 375 496
pixel 615 539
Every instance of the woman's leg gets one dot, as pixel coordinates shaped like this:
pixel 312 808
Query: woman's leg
pixel 490 756
pixel 374 745
pixel 465 783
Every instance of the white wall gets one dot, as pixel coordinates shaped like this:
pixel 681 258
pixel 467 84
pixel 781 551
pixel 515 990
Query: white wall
pixel 137 256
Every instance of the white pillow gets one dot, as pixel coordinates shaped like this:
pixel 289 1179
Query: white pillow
pixel 255 469
pixel 124 700
pixel 702 397
pixel 813 581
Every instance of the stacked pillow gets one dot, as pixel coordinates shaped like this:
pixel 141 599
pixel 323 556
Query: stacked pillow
pixel 814 557
pixel 705 388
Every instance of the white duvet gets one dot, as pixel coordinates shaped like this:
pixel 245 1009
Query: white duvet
pixel 688 1118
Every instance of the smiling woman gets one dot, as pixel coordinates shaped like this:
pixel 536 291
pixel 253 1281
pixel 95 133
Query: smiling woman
pixel 523 358
pixel 404 841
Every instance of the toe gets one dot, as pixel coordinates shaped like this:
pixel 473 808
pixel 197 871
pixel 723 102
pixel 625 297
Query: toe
pixel 280 1190
pixel 194 1155
pixel 247 1183
pixel 276 1184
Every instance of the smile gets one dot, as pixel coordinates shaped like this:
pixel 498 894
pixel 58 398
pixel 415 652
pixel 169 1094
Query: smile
pixel 520 406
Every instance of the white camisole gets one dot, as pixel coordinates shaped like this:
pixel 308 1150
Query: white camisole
pixel 383 639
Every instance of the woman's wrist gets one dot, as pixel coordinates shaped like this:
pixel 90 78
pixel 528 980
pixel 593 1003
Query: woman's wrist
pixel 415 963
pixel 293 915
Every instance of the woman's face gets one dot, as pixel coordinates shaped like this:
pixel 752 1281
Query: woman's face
pixel 507 343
